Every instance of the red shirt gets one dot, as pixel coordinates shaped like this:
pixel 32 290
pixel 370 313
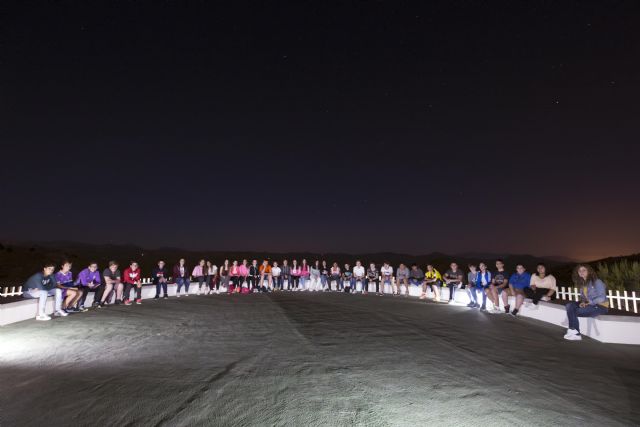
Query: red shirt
pixel 130 276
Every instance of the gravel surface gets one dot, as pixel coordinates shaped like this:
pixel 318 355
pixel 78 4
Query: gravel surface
pixel 304 359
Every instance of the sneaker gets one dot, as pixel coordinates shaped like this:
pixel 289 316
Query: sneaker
pixel 545 298
pixel 82 309
pixel 506 308
pixel 514 313
pixel 483 308
pixel 139 301
pixel 72 310
pixel 95 305
pixel 60 313
pixel 156 297
pixel 177 295
pixel 423 296
pixel 471 305
pixel 495 311
pixel 165 297
pixel 572 332
pixel 577 337
pixel 43 317
pixel 127 302
pixel 118 301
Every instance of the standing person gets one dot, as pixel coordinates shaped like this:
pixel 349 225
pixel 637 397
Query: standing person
pixel 518 282
pixel 483 281
pixel 542 287
pixel 314 275
pixel 200 273
pixel 244 273
pixel 286 274
pixel 593 299
pixel 373 276
pixel 402 278
pixel 347 284
pixel 112 281
pixel 265 274
pixel 335 276
pixel 132 277
pixel 254 276
pixel 224 276
pixel 432 278
pixel 181 277
pixel 296 271
pixel 160 276
pixel 234 273
pixel 304 275
pixel 416 278
pixel 212 271
pixel 472 290
pixel 276 274
pixel 387 278
pixel 454 279
pixel 359 274
pixel 89 281
pixel 40 286
pixel 70 292
pixel 499 287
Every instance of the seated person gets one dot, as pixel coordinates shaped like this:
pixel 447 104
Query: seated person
pixel 386 271
pixel 70 292
pixel 160 276
pixel 499 287
pixel 89 280
pixel 454 279
pixel 483 281
pixel 402 278
pixel 347 282
pixel 132 278
pixel 472 291
pixel 518 282
pixel 373 276
pixel 593 300
pixel 542 287
pixel 432 278
pixel 265 275
pixel 112 281
pixel 40 286
pixel 359 276
pixel 416 276
pixel 276 276
pixel 335 276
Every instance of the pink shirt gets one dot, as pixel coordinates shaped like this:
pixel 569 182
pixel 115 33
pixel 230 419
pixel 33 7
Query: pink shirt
pixel 296 271
pixel 305 271
pixel 244 271
pixel 197 271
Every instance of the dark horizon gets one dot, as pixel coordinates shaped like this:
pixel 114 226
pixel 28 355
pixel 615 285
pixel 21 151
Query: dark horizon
pixel 504 127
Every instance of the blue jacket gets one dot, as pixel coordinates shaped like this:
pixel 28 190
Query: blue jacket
pixel 595 293
pixel 520 281
pixel 487 276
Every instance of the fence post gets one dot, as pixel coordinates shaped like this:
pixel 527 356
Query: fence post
pixel 626 301
pixel 635 302
pixel 610 298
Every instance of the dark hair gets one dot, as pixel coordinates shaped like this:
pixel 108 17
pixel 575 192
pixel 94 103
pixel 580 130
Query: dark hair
pixel 133 262
pixel 93 262
pixel 541 264
pixel 65 261
pixel 49 264
pixel 414 265
pixel 579 281
pixel 112 263
pixel 502 261
pixel 471 265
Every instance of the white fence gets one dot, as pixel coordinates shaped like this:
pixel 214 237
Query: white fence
pixel 618 300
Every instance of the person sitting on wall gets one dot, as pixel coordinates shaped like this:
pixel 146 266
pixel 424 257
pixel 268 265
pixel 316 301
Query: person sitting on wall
pixel 40 286
pixel 593 300
pixel 542 287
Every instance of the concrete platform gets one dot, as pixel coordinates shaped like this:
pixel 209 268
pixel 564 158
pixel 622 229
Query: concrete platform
pixel 309 359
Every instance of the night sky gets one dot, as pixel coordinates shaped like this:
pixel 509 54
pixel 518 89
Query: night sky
pixel 323 126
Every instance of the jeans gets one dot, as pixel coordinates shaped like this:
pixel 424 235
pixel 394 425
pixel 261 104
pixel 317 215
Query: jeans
pixel 161 285
pixel 127 291
pixel 574 311
pixel 324 281
pixel 414 281
pixel 452 289
pixel 303 282
pixel 41 295
pixel 277 282
pixel 351 282
pixel 202 280
pixel 182 281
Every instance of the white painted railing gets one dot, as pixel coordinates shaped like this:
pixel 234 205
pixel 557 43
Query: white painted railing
pixel 625 300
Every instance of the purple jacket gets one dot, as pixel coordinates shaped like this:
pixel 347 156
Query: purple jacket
pixel 89 278
pixel 62 278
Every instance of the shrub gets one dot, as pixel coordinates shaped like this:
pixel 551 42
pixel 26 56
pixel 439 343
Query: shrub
pixel 620 276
